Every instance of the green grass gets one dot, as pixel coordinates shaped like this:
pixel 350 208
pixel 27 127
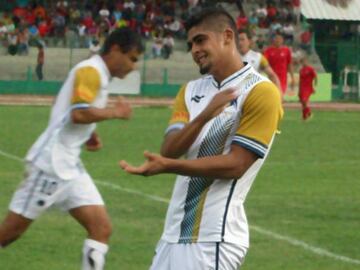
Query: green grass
pixel 308 189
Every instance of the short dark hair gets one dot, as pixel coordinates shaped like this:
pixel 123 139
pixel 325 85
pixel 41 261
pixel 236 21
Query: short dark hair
pixel 246 32
pixel 125 38
pixel 216 18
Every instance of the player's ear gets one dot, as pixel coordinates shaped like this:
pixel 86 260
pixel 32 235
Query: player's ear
pixel 228 36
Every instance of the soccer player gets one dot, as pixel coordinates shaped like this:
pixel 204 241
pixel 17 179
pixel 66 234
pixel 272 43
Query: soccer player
pixel 308 78
pixel 224 123
pixel 256 59
pixel 54 172
pixel 279 57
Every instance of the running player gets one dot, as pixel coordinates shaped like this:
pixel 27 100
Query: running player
pixel 54 172
pixel 308 78
pixel 224 123
pixel 256 59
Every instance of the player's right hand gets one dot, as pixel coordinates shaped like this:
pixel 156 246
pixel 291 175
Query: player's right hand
pixel 219 102
pixel 122 109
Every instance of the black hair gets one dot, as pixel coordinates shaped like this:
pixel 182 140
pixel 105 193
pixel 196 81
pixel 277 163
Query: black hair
pixel 125 38
pixel 246 32
pixel 215 18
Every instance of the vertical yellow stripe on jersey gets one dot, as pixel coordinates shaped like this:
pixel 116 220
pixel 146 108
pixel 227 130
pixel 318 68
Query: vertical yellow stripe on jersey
pixel 86 85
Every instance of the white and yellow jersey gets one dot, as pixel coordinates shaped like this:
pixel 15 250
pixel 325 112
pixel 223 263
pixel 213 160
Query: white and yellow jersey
pixel 58 148
pixel 211 210
pixel 256 59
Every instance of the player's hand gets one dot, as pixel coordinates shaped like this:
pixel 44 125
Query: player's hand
pixel 94 143
pixel 154 164
pixel 122 109
pixel 218 103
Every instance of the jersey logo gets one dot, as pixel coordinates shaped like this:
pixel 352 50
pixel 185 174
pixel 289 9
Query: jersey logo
pixel 197 98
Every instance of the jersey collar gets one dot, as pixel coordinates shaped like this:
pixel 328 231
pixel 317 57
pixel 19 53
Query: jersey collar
pixel 226 82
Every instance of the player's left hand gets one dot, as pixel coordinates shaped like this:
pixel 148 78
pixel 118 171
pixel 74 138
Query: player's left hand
pixel 154 164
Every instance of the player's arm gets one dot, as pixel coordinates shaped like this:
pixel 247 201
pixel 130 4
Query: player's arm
pixel 264 65
pixel 86 88
pixel 182 133
pixel 315 79
pixel 89 114
pixel 291 70
pixel 262 112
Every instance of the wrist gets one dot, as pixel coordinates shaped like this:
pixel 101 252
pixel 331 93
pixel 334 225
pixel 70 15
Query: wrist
pixel 169 165
pixel 202 119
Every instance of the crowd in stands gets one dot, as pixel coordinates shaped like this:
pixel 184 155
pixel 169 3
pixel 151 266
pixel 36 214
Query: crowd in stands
pixel 86 23
pixel 23 22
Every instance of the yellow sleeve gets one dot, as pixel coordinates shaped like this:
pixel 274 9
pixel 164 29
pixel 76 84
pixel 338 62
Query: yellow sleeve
pixel 180 113
pixel 86 85
pixel 263 62
pixel 261 114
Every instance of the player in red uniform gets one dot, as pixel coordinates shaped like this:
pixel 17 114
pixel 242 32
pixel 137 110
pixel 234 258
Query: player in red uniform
pixel 279 57
pixel 308 78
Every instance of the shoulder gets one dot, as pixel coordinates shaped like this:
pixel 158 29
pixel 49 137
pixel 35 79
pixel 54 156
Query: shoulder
pixel 264 92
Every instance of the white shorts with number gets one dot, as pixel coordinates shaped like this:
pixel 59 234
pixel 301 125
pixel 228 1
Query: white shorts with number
pixel 40 190
pixel 198 256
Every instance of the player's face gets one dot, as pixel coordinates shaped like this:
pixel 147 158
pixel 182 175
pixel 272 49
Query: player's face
pixel 278 40
pixel 244 43
pixel 124 63
pixel 205 47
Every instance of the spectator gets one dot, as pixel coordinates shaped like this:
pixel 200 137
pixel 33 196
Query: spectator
pixel 288 30
pixel 271 12
pixel 168 45
pixel 305 41
pixel 94 47
pixel 157 46
pixel 59 24
pixel 241 21
pixel 23 41
pixel 40 61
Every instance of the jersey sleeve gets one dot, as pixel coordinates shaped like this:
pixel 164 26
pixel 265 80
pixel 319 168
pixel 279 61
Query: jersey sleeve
pixel 86 87
pixel 180 113
pixel 264 63
pixel 261 114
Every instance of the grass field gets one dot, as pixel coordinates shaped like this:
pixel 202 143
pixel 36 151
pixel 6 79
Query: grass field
pixel 304 207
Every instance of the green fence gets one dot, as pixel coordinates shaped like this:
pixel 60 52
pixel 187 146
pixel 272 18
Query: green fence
pixel 52 87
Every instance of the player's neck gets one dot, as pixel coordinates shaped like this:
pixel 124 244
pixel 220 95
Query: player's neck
pixel 244 52
pixel 227 69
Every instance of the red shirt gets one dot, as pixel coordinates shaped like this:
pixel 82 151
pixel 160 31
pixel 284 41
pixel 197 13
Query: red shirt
pixel 307 76
pixel 279 60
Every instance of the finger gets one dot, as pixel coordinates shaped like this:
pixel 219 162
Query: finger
pixel 123 164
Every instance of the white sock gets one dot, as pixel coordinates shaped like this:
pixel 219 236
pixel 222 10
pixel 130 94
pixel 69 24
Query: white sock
pixel 94 255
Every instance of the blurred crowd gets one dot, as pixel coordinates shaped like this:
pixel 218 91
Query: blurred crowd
pixel 86 23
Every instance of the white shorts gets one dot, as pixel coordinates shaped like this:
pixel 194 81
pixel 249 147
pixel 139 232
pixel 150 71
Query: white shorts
pixel 40 190
pixel 198 256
